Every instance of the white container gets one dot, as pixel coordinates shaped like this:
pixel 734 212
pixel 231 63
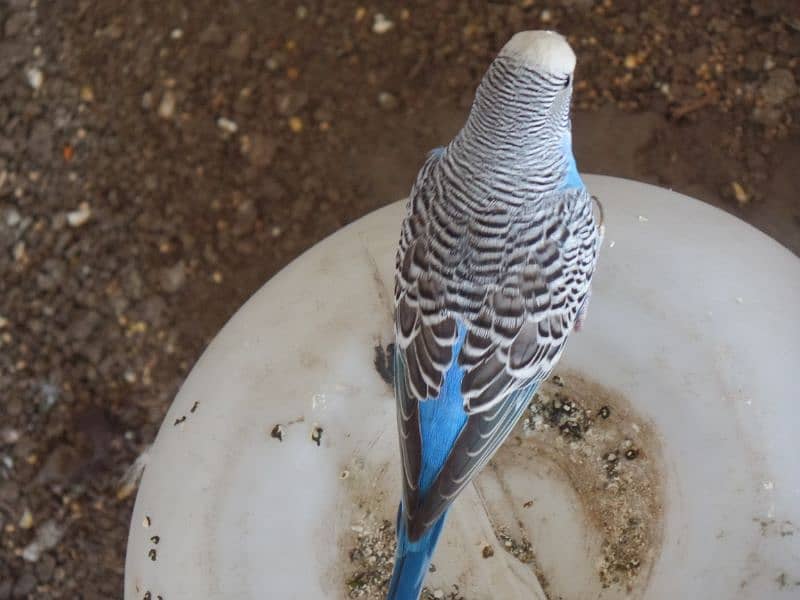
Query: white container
pixel 692 341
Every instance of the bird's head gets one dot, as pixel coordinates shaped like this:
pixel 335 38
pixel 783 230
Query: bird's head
pixel 529 85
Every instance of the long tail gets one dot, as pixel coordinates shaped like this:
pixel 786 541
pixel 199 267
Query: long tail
pixel 412 559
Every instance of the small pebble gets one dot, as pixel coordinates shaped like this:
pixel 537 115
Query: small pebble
pixel 12 217
pixel 79 217
pixel 381 24
pixel 87 93
pixel 9 435
pixel 166 108
pixel 387 101
pixel 26 521
pixel 227 125
pixel 35 77
pixel 738 192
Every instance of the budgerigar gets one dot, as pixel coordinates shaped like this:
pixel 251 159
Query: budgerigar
pixel 496 255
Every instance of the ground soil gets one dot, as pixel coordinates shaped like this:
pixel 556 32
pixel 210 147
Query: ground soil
pixel 160 160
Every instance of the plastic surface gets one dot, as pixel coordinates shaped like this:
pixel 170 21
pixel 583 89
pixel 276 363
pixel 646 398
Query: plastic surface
pixel 692 342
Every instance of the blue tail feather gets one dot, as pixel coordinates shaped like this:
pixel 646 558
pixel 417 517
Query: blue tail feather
pixel 412 559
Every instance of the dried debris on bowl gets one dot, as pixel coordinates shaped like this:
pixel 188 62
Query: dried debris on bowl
pixel 277 432
pixel 439 594
pixel 372 555
pixel 368 539
pixel 610 457
pixel 316 434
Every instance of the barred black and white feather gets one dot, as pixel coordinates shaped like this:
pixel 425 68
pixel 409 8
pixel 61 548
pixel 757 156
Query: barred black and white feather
pixel 496 243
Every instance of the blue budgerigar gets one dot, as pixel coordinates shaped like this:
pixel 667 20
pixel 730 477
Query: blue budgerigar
pixel 496 256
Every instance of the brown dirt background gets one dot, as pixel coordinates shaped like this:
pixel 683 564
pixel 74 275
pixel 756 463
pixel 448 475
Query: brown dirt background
pixel 133 221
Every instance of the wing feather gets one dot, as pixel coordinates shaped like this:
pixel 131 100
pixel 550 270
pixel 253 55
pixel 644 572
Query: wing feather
pixel 516 286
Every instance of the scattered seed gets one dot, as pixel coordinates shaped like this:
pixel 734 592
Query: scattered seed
pixel 528 504
pixel 179 421
pixel 277 432
pixel 152 554
pixel 604 412
pixel 155 539
pixel 631 453
pixel 316 434
pixel 488 551
pixel 194 407
pixel 146 522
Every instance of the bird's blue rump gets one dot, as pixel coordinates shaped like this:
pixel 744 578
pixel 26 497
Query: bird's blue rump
pixel 441 419
pixel 412 559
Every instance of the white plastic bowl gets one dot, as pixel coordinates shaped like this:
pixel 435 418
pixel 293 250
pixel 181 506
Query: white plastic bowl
pixel 692 340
